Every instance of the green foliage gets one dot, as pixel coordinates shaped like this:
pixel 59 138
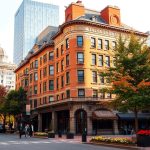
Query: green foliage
pixel 13 102
pixel 16 101
pixel 131 75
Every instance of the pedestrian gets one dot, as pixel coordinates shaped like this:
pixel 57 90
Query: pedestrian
pixel 31 130
pixel 26 130
pixel 20 128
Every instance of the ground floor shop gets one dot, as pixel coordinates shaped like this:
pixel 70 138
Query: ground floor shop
pixel 79 117
pixel 76 117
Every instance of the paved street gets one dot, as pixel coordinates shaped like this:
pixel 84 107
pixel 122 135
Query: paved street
pixel 12 142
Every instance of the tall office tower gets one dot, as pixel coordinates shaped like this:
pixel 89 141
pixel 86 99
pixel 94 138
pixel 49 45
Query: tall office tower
pixel 30 19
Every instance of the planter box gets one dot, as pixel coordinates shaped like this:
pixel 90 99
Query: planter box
pixel 143 140
pixel 70 136
pixel 51 135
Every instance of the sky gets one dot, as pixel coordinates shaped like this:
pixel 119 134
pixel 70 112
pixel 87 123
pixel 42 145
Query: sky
pixel 135 13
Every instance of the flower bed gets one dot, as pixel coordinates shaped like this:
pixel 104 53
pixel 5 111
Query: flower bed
pixel 41 134
pixel 118 140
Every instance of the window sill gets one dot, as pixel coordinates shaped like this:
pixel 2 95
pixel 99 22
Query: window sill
pixel 79 82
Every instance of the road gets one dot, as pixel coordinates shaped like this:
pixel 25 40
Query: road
pixel 12 142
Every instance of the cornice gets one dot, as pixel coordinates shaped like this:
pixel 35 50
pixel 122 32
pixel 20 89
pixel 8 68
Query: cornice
pixel 96 24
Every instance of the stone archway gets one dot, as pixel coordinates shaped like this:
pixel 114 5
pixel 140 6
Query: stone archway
pixel 80 121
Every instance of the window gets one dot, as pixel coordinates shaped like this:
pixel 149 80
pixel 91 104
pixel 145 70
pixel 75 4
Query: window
pixel 45 58
pixel 40 60
pixel 102 95
pixel 67 43
pixel 80 58
pixel 67 77
pixel 80 75
pixel 62 50
pixel 62 65
pixel 62 81
pixel 35 76
pixel 51 55
pixel 106 45
pixel 51 85
pixel 62 96
pixel 94 75
pixel 44 71
pixel 100 60
pixel 95 93
pixel 108 95
pixel 100 44
pixel 57 52
pixel 57 67
pixel 30 78
pixel 67 60
pixel 51 70
pixel 35 103
pixel 26 82
pixel 79 41
pixel 30 91
pixel 93 59
pixel 35 89
pixel 107 61
pixel 36 63
pixel 51 98
pixel 114 45
pixel 44 87
pixel 68 94
pixel 81 93
pixel 93 42
pixel 101 79
pixel 57 83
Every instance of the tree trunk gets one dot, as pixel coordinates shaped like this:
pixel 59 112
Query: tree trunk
pixel 136 120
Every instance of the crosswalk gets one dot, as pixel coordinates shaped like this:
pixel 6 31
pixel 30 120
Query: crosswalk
pixel 49 141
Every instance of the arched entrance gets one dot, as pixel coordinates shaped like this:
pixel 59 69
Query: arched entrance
pixel 81 121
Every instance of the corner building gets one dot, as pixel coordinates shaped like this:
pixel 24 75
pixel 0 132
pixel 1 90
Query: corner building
pixel 63 74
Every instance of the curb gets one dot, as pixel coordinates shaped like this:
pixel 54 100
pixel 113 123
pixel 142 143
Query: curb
pixel 115 145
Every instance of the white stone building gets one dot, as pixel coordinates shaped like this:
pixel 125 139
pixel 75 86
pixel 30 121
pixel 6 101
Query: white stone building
pixel 7 75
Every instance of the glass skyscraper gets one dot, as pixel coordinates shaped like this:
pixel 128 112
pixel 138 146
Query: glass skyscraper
pixel 30 19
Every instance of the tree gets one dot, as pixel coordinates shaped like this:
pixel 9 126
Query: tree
pixel 131 76
pixel 16 101
pixel 3 110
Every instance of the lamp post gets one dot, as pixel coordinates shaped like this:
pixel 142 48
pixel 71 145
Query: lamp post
pixel 84 136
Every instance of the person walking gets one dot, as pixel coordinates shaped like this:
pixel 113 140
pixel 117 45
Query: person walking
pixel 20 128
pixel 26 130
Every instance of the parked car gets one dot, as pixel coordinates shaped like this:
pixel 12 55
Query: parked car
pixel 1 128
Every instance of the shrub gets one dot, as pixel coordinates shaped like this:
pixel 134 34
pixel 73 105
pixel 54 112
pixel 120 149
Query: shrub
pixel 118 140
pixel 40 134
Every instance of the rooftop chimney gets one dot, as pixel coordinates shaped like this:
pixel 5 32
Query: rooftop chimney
pixel 111 14
pixel 74 10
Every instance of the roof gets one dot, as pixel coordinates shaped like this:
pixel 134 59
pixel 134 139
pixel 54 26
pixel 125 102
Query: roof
pixel 131 116
pixel 103 114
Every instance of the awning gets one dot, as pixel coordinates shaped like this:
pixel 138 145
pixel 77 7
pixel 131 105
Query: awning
pixel 131 116
pixel 103 115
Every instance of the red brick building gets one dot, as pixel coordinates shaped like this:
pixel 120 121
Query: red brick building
pixel 61 74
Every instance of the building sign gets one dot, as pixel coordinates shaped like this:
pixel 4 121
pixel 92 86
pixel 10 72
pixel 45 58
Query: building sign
pixel 27 109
